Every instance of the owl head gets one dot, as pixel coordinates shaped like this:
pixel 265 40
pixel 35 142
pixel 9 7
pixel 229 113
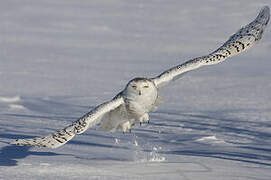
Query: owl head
pixel 140 87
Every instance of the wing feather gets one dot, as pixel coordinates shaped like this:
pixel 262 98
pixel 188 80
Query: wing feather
pixel 239 42
pixel 61 137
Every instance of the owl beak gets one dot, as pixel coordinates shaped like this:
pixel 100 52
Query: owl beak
pixel 139 93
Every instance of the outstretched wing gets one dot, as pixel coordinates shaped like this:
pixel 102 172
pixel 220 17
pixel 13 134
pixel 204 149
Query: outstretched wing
pixel 242 40
pixel 61 137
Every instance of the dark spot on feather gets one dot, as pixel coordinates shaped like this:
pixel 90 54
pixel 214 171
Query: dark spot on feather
pixel 228 51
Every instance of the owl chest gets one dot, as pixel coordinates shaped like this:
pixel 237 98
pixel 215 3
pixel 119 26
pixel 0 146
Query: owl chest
pixel 139 105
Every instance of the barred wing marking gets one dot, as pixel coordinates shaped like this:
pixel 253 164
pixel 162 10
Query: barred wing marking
pixel 61 137
pixel 242 40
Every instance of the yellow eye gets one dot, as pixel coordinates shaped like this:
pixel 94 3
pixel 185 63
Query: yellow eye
pixel 146 86
pixel 134 86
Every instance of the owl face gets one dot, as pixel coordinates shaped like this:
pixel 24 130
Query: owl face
pixel 140 87
pixel 140 96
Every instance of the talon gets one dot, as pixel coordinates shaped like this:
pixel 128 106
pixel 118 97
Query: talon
pixel 130 130
pixel 148 121
pixel 140 123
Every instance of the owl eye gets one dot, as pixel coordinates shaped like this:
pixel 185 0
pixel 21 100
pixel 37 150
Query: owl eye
pixel 146 86
pixel 134 86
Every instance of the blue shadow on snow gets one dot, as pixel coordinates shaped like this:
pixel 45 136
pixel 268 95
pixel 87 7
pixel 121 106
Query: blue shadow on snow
pixel 10 153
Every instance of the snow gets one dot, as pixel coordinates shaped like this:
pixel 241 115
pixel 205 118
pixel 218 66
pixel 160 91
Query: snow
pixel 61 58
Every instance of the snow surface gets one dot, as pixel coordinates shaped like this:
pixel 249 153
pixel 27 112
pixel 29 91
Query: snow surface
pixel 61 58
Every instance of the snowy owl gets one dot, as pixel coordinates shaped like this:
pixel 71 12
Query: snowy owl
pixel 140 96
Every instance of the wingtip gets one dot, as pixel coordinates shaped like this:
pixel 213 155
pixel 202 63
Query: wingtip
pixel 18 142
pixel 265 8
pixel 13 142
pixel 264 15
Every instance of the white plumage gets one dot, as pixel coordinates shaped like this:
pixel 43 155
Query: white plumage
pixel 140 95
